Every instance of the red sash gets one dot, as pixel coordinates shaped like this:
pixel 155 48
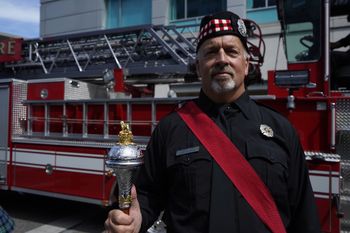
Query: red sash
pixel 235 166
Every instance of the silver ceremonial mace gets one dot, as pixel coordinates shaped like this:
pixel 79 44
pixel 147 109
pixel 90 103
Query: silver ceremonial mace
pixel 123 158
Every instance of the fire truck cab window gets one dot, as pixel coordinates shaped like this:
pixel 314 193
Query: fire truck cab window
pixel 302 29
pixel 340 56
pixel 183 9
pixel 300 42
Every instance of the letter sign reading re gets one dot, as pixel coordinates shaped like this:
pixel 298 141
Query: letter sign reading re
pixel 10 49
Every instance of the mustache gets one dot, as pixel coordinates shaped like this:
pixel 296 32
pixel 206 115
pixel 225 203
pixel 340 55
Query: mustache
pixel 222 69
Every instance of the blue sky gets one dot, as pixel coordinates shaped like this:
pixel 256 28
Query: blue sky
pixel 20 17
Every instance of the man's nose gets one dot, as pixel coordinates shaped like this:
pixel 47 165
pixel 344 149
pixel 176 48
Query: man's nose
pixel 221 57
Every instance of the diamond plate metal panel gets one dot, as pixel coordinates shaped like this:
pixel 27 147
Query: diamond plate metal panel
pixel 345 195
pixel 19 111
pixel 329 157
pixel 343 114
pixel 343 128
pixel 345 208
pixel 343 144
pixel 345 173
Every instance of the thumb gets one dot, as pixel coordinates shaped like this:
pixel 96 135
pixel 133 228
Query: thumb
pixel 135 210
pixel 134 202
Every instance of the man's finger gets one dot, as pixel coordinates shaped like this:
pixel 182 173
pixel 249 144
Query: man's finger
pixel 135 202
pixel 118 217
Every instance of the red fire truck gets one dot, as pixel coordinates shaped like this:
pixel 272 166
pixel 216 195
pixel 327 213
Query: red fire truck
pixel 62 103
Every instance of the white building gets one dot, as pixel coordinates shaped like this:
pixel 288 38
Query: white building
pixel 59 17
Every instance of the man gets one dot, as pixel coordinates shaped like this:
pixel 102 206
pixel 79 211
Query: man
pixel 181 177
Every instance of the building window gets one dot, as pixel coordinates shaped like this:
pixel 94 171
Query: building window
pixel 183 9
pixel 262 11
pixel 253 4
pixel 122 13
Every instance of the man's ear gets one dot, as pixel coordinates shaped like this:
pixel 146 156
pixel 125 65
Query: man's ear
pixel 246 71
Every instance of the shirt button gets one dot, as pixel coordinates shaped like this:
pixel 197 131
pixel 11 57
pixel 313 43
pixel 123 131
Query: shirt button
pixel 227 110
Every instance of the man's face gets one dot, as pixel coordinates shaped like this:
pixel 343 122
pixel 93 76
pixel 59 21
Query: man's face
pixel 222 65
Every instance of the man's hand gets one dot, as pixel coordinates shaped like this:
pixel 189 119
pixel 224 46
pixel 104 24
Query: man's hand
pixel 119 222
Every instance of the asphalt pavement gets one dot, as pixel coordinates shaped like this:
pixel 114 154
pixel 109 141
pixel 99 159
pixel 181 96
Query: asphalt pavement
pixel 41 214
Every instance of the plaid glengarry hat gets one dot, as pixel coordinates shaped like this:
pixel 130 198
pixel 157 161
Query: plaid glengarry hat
pixel 222 23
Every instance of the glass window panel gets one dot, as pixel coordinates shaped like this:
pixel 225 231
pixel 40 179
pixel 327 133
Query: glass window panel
pixel 177 9
pixel 130 17
pixel 194 8
pixel 203 7
pixel 302 30
pixel 258 3
pixel 249 4
pixel 112 14
pixel 271 2
pixel 300 40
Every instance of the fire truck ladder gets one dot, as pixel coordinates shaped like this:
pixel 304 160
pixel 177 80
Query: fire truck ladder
pixel 141 50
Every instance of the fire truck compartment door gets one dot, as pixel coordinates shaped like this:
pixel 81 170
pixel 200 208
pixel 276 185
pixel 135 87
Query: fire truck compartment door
pixel 4 102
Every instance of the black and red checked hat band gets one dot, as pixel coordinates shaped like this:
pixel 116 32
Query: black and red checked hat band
pixel 215 25
pixel 222 23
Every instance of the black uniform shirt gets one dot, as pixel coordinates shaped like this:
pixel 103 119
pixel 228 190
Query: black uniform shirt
pixel 180 176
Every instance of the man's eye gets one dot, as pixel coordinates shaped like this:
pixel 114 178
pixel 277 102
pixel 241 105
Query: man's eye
pixel 210 52
pixel 232 52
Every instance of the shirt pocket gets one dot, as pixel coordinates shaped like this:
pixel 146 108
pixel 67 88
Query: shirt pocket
pixel 189 173
pixel 270 162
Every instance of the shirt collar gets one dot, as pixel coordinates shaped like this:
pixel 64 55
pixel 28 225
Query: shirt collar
pixel 243 103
